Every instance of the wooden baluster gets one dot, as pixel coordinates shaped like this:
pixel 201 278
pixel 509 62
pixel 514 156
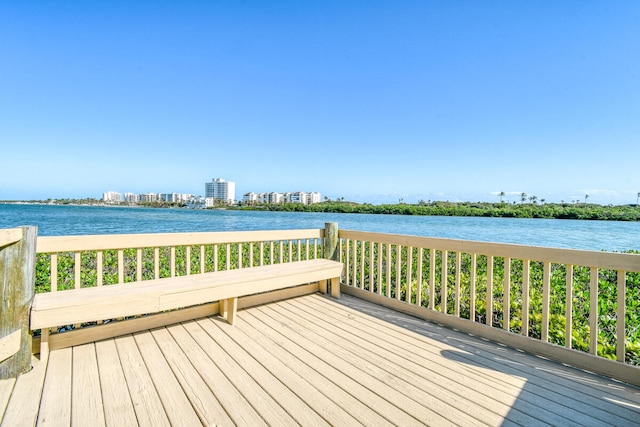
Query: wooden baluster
pixel 261 253
pixel 379 270
pixel 526 280
pixel 307 243
pixel 432 278
pixel 271 252
pixel 419 278
pixel 388 270
pixel 546 296
pixel 156 263
pixel 120 266
pixel 472 287
pixel 354 263
pixel 77 264
pixel 568 311
pixel 506 298
pixel 363 248
pixel 489 303
pixel 139 264
pixel 372 270
pixel 593 311
pixel 458 297
pixel 409 282
pixel 347 271
pixel 398 271
pixel 620 315
pixel 444 282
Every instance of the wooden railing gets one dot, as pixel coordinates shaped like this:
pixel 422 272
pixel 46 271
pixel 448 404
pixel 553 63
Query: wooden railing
pixel 71 262
pixel 577 307
pixel 581 300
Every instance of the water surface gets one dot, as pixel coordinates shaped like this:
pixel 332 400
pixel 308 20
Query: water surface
pixel 53 220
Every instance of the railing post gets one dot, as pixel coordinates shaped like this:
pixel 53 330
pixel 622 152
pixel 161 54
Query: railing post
pixel 17 277
pixel 331 251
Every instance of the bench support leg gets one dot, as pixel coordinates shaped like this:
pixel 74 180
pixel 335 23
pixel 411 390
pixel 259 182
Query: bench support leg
pixel 44 343
pixel 223 307
pixel 335 287
pixel 322 286
pixel 232 308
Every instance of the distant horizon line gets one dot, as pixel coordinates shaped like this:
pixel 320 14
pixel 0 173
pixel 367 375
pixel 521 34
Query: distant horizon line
pixel 336 200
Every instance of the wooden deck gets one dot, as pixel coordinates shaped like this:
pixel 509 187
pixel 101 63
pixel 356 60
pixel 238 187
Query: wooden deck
pixel 309 361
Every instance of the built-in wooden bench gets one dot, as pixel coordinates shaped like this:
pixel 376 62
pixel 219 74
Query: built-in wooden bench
pixel 153 296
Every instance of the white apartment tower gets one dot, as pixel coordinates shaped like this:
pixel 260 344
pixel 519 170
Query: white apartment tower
pixel 220 189
pixel 111 197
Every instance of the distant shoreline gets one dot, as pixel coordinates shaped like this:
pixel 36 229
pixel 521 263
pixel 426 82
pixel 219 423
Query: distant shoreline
pixel 582 211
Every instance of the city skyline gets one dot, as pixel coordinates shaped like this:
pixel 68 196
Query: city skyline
pixel 371 102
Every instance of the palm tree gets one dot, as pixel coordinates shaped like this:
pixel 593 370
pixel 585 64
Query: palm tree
pixel 502 194
pixel 586 196
pixel 523 197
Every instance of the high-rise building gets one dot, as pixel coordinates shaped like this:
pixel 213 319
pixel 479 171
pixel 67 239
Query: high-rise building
pixel 313 197
pixel 220 189
pixel 111 197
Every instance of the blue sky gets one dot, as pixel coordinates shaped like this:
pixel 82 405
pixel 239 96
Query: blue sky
pixel 372 101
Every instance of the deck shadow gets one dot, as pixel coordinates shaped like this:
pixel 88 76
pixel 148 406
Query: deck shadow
pixel 563 395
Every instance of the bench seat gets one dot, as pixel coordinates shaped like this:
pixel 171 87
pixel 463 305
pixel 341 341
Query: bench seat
pixel 152 296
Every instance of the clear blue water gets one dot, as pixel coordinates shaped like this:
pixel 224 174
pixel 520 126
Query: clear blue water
pixel 83 220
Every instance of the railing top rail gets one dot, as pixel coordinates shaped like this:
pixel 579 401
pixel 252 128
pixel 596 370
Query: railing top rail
pixel 52 244
pixel 9 236
pixel 606 260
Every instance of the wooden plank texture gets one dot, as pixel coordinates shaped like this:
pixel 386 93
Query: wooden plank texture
pixel 310 360
pixel 86 403
pixel 10 345
pixel 9 236
pixel 106 302
pixel 55 405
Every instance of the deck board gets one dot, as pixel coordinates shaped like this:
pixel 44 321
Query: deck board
pixel 270 411
pixel 295 406
pixel 144 396
pixel 309 360
pixel 395 376
pixel 118 406
pixel 22 408
pixel 6 387
pixel 86 396
pixel 546 380
pixel 291 378
pixel 175 401
pixel 276 345
pixel 394 347
pixel 55 405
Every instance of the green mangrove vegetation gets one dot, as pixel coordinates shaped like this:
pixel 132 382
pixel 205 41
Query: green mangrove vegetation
pixel 222 257
pixel 580 300
pixel 586 211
